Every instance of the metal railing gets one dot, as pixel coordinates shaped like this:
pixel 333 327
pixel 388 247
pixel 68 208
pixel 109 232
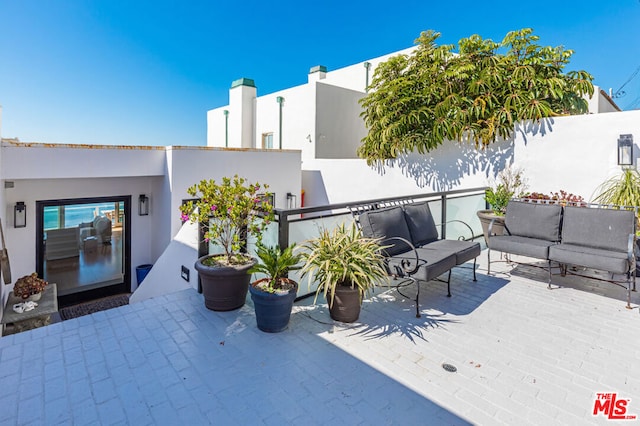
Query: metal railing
pixel 285 218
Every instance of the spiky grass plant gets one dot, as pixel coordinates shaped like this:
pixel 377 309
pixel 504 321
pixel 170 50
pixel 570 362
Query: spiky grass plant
pixel 622 190
pixel 343 257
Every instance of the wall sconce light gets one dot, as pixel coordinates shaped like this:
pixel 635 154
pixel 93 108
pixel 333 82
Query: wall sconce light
pixel 625 150
pixel 20 215
pixel 143 205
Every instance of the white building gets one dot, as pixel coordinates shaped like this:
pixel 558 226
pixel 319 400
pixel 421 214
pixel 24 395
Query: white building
pixel 56 181
pixel 322 119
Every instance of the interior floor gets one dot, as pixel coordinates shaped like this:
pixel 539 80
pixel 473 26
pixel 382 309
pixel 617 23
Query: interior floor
pixel 92 269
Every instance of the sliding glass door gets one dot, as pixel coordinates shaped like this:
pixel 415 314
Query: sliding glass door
pixel 83 246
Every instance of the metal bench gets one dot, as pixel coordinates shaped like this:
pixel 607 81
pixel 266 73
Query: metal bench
pixel 413 249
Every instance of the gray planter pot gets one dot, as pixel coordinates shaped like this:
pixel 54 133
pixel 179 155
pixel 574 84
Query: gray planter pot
pixel 346 304
pixel 486 216
pixel 224 288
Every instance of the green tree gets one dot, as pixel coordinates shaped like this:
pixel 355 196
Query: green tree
pixel 417 102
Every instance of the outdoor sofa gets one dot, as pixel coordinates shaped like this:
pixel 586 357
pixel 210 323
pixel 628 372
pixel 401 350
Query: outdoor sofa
pixel 413 249
pixel 594 237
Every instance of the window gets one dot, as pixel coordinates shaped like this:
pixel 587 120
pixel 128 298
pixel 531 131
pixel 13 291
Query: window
pixel 267 141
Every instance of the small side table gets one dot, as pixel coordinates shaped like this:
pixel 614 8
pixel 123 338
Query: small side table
pixel 38 317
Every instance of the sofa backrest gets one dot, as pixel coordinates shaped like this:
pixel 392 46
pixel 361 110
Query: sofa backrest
pixel 421 224
pixel 386 223
pixel 533 220
pixel 600 228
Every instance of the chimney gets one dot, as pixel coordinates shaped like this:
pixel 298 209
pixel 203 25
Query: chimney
pixel 319 72
pixel 242 97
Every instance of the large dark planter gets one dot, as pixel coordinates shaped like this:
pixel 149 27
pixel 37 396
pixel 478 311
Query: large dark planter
pixel 486 216
pixel 346 304
pixel 273 310
pixel 224 288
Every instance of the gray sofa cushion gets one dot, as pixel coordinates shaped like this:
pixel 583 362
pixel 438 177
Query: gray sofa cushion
pixel 603 259
pixel 605 229
pixel 463 250
pixel 386 223
pixel 421 224
pixel 433 263
pixel 523 246
pixel 541 221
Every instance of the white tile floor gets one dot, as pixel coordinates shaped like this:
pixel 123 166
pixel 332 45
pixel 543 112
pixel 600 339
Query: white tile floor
pixel 524 355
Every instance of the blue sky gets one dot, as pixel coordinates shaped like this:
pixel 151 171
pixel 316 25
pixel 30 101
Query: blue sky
pixel 146 72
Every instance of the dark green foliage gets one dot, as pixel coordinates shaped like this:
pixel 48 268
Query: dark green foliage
pixel 419 101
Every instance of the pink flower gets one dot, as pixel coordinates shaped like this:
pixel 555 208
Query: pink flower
pixel 206 239
pixel 214 208
pixel 184 217
pixel 256 200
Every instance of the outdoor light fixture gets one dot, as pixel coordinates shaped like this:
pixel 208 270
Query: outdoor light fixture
pixel 625 150
pixel 19 215
pixel 143 205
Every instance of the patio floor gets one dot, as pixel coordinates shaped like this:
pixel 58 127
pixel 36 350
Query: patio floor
pixel 524 355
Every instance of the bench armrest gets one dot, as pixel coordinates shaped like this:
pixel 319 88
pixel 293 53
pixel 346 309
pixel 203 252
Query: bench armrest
pixel 631 252
pixel 405 264
pixel 462 222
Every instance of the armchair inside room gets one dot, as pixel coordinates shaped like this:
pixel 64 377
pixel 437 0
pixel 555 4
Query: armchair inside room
pixel 99 228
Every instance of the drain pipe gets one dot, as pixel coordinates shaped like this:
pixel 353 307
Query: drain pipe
pixel 367 65
pixel 280 101
pixel 226 128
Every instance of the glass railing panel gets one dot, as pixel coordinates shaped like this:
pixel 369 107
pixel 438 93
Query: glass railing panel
pixel 303 230
pixel 464 209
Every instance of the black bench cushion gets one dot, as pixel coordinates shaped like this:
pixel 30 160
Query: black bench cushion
pixel 433 263
pixel 600 228
pixel 523 246
pixel 421 224
pixel 603 259
pixel 532 220
pixel 386 223
pixel 463 250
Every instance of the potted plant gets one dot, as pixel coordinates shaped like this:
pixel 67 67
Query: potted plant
pixel 346 265
pixel 509 183
pixel 229 212
pixel 274 294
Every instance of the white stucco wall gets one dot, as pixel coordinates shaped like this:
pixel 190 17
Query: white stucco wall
pixel 53 161
pixel 354 76
pixel 575 154
pixel 22 241
pixel 188 165
pixel 298 119
pixel 339 128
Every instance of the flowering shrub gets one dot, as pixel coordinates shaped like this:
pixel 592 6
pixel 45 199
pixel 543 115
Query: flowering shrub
pixel 230 211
